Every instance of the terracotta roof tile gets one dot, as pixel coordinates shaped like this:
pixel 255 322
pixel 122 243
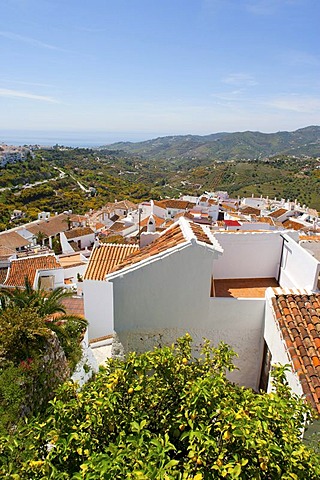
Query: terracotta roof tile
pixel 298 316
pixel 105 258
pixel 277 213
pixel 177 234
pixel 27 267
pixel 293 225
pixel 74 305
pixel 247 210
pixel 6 252
pixel 175 204
pixel 71 260
pixel 12 240
pixel 78 218
pixel 200 233
pixel 78 232
pixel 268 220
pixel 50 227
pixel 310 238
pixel 124 205
pixel 117 227
pixel 171 237
pixel 158 221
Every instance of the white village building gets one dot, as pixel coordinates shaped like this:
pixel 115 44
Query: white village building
pixel 216 286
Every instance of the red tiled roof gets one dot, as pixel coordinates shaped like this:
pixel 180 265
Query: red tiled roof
pixel 27 267
pixel 200 233
pixel 105 258
pixel 172 237
pixel 292 225
pixel 298 316
pixel 117 227
pixel 78 232
pixel 268 220
pixel 71 260
pixel 123 205
pixel 158 221
pixel 12 240
pixel 74 306
pixel 247 210
pixel 78 218
pixel 175 204
pixel 99 225
pixel 232 223
pixel 50 227
pixel 309 238
pixel 278 213
pixel 6 252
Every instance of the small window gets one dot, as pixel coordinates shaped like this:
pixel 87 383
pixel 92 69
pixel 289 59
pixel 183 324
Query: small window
pixel 46 282
pixel 212 289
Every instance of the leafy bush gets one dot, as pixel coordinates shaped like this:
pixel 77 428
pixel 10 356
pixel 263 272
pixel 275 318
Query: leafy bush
pixel 165 415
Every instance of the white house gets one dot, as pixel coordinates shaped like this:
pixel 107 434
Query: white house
pixel 76 239
pixel 41 270
pixel 211 285
pixel 98 293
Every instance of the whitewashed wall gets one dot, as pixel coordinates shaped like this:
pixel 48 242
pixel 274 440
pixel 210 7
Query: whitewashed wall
pixel 72 272
pixel 239 322
pixel 98 307
pixel 299 269
pixel 254 202
pixel 170 289
pixel 162 301
pixel 57 273
pixel 65 246
pixel 158 211
pixel 248 255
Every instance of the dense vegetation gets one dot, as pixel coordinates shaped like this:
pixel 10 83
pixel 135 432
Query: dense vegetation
pixel 165 415
pixel 39 348
pixel 107 175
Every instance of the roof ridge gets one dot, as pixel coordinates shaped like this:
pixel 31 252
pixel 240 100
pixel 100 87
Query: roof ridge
pixel 122 245
pixel 186 230
pixel 30 257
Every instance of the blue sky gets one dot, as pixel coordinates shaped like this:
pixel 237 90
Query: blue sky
pixel 149 68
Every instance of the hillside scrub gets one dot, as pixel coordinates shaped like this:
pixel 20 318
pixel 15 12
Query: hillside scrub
pixel 165 414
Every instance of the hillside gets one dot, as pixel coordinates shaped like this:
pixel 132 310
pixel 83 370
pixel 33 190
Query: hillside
pixel 227 146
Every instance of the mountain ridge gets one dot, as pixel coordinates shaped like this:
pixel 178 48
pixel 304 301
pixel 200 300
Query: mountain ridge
pixel 227 145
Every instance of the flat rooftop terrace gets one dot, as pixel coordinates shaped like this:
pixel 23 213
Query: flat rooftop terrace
pixel 243 287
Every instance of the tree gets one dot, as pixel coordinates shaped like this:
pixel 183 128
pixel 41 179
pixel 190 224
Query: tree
pixel 165 415
pixel 40 238
pixel 49 307
pixel 40 345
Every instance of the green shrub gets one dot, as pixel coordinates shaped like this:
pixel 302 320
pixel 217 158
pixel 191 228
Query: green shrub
pixel 165 415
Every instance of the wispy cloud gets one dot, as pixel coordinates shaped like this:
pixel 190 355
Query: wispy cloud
pixel 240 79
pixel 298 57
pixel 296 103
pixel 31 41
pixel 31 84
pixel 268 7
pixel 4 92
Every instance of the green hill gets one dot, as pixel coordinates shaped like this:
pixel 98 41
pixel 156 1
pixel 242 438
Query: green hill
pixel 227 146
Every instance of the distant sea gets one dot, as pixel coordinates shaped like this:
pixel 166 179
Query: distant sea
pixel 70 139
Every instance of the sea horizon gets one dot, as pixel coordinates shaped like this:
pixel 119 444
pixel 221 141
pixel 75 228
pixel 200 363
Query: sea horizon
pixel 70 139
